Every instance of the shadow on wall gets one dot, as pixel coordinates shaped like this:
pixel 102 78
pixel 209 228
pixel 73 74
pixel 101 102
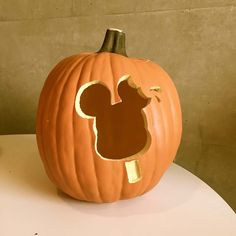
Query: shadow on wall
pixel 18 111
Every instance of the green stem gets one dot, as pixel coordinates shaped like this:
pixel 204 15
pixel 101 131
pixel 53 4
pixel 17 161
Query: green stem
pixel 114 42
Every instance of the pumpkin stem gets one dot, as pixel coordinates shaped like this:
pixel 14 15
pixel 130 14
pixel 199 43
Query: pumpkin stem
pixel 114 42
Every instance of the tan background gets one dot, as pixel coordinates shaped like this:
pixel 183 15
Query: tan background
pixel 195 41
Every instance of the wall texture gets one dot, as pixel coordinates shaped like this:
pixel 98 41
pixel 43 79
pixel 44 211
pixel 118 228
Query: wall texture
pixel 194 40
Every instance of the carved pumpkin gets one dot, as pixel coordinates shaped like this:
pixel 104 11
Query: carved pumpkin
pixel 108 126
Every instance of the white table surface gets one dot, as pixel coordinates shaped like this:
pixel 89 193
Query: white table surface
pixel 181 204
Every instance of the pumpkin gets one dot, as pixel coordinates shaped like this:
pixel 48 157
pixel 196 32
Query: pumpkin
pixel 87 103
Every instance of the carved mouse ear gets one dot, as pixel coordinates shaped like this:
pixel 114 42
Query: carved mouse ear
pixel 123 85
pixel 130 93
pixel 91 99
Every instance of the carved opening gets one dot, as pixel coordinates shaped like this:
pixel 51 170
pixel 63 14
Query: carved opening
pixel 120 128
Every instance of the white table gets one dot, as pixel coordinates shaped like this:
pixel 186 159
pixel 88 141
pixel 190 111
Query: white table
pixel 181 204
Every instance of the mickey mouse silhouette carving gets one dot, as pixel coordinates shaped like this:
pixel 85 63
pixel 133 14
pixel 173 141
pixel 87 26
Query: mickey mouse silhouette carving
pixel 120 128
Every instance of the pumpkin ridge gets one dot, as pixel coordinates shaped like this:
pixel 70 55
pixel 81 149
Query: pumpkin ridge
pixel 74 114
pixel 47 85
pixel 155 171
pixel 171 100
pixel 73 130
pixel 173 110
pixel 50 100
pixel 93 140
pixel 164 135
pixel 61 84
pixel 166 115
pixel 142 78
pixel 90 125
pixel 152 178
pixel 172 128
pixel 80 187
pixel 76 158
pixel 39 122
pixel 50 95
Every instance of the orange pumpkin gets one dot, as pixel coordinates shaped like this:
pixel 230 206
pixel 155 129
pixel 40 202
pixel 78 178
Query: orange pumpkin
pixel 67 140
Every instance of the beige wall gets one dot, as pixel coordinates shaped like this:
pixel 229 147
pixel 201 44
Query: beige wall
pixel 195 41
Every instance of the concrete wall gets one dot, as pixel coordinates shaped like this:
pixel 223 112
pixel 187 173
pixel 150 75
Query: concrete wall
pixel 195 41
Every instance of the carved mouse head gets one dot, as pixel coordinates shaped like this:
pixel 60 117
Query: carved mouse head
pixel 95 97
pixel 120 128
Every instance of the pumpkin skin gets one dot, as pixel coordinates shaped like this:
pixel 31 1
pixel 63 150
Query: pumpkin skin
pixel 66 140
